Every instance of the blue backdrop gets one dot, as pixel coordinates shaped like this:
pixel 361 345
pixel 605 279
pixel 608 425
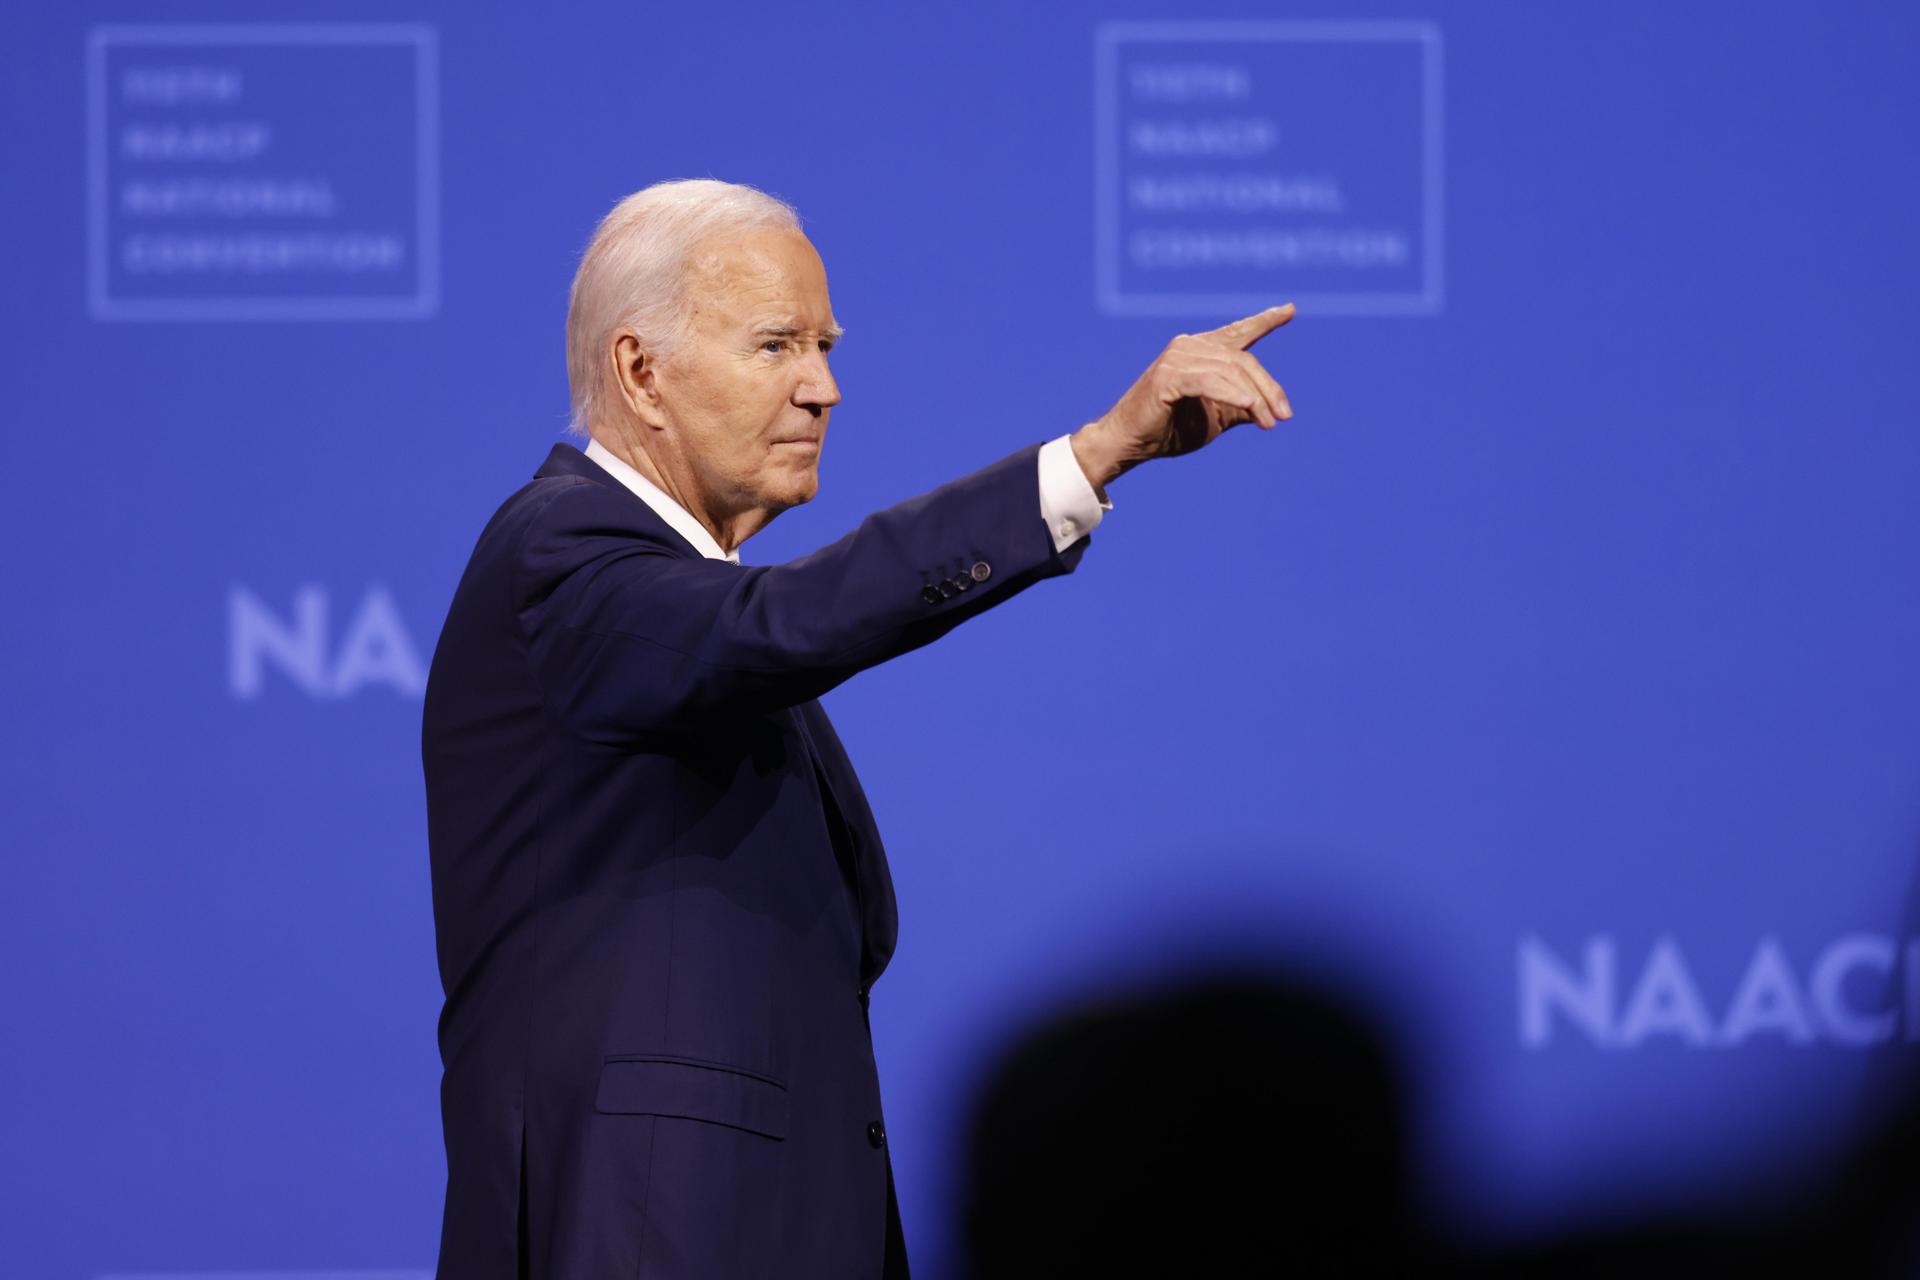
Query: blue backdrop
pixel 1546 684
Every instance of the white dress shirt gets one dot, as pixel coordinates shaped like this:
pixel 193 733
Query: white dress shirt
pixel 1067 501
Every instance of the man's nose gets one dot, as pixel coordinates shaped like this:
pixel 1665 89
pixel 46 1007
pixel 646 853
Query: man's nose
pixel 816 388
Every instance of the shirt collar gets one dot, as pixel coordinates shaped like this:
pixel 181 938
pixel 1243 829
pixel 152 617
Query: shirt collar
pixel 663 506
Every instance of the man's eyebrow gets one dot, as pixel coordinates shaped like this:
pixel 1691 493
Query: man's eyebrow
pixel 833 332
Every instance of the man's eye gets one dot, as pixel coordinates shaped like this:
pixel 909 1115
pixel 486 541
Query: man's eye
pixel 773 344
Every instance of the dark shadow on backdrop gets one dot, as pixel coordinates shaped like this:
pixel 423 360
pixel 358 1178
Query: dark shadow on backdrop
pixel 1248 1124
pixel 1236 1125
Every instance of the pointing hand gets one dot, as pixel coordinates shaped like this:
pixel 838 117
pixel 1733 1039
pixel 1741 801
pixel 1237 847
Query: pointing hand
pixel 1202 384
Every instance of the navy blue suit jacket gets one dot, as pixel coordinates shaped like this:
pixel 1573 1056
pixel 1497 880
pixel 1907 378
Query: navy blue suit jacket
pixel 660 899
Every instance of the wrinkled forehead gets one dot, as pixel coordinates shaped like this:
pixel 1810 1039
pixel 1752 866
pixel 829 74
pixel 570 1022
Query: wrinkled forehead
pixel 740 281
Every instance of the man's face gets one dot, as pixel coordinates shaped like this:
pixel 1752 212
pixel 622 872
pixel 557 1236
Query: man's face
pixel 748 395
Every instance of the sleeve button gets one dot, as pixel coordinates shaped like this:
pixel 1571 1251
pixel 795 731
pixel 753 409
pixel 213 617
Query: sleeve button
pixel 981 570
pixel 931 594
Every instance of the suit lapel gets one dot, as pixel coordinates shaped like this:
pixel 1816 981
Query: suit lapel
pixel 872 880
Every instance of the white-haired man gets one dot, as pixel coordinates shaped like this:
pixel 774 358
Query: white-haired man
pixel 660 898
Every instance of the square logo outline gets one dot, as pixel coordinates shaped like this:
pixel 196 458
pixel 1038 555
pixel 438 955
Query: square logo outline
pixel 425 301
pixel 1111 300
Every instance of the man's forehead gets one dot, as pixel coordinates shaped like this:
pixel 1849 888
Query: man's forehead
pixel 762 258
pixel 765 282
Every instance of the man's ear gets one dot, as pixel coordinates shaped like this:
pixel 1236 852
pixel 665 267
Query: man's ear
pixel 633 370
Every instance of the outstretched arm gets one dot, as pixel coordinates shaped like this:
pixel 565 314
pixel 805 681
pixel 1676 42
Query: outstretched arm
pixel 627 638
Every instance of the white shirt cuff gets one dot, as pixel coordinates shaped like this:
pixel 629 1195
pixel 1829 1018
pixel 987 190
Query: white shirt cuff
pixel 1067 501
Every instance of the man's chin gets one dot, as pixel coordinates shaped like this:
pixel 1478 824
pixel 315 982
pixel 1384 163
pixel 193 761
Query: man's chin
pixel 793 496
pixel 805 490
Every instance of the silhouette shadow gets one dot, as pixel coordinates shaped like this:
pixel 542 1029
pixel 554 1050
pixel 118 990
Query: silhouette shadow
pixel 1234 1125
pixel 1243 1124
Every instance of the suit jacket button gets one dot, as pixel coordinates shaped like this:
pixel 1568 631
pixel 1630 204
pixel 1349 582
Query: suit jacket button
pixel 980 570
pixel 961 581
pixel 877 1134
pixel 931 594
pixel 863 997
pixel 946 589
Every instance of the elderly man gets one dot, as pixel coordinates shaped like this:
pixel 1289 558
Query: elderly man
pixel 659 896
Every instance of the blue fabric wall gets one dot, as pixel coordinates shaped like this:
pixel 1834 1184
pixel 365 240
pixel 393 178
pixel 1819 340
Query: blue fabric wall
pixel 1546 685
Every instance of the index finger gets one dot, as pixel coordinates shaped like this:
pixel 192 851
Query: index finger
pixel 1244 333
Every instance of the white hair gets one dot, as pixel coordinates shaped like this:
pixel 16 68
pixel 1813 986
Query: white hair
pixel 634 273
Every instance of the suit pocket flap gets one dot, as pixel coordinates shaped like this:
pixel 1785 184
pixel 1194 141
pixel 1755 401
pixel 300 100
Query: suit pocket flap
pixel 693 1091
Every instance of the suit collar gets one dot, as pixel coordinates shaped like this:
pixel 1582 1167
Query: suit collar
pixel 602 464
pixel 663 505
pixel 565 460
